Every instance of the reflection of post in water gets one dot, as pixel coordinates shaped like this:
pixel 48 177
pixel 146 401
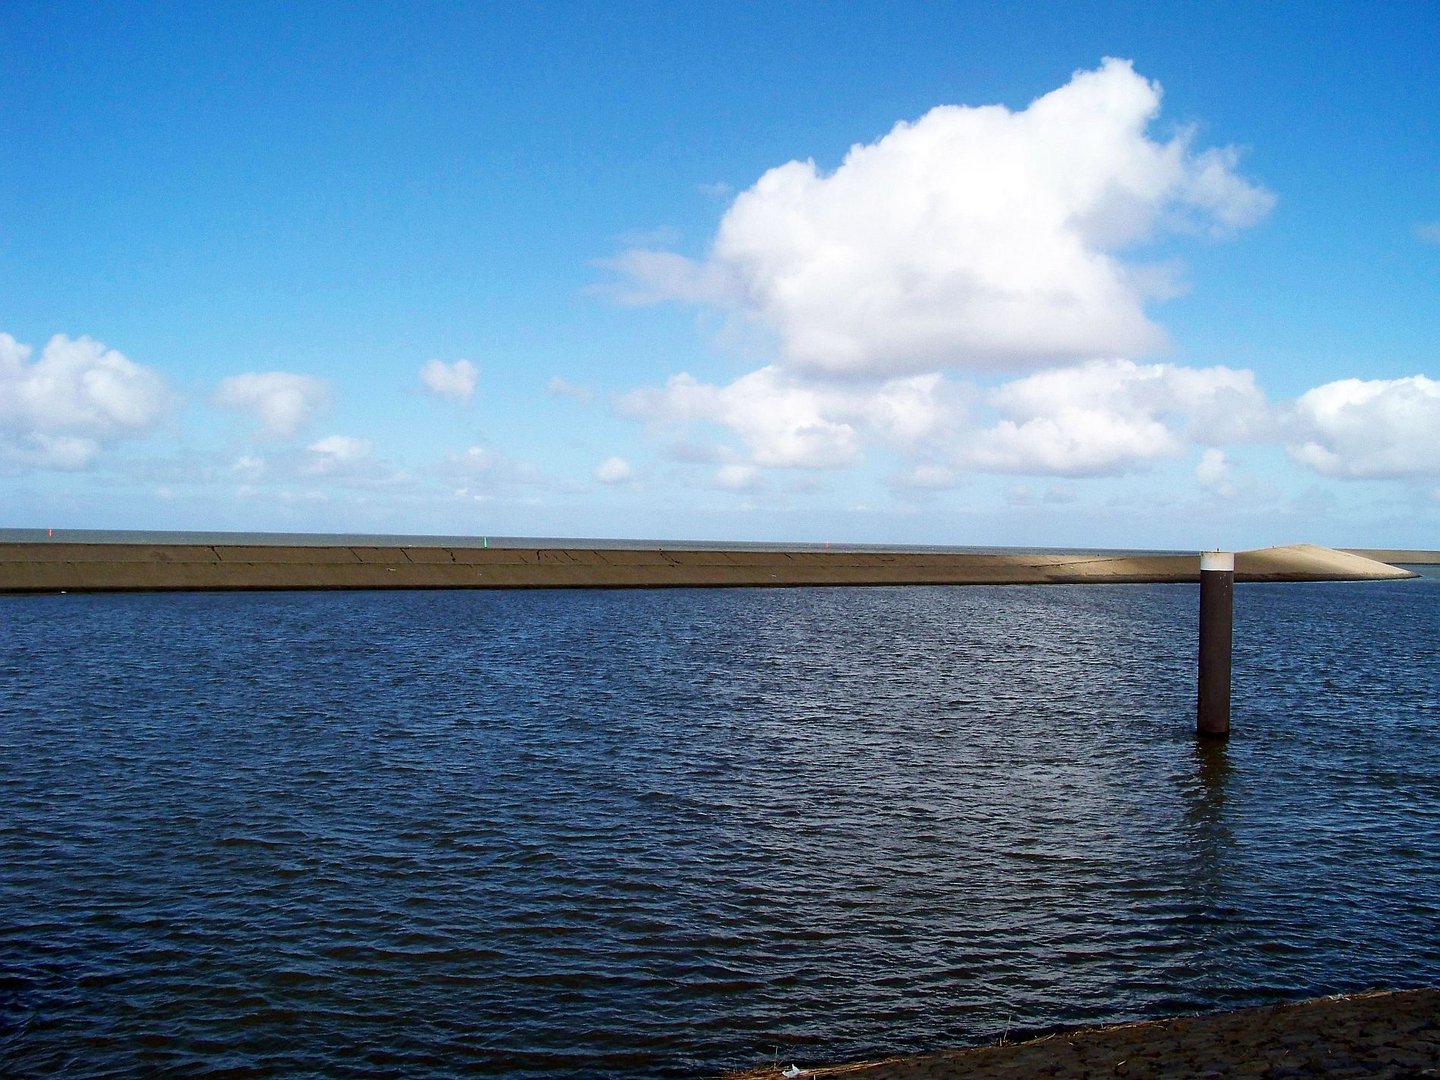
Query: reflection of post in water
pixel 1211 911
pixel 1212 770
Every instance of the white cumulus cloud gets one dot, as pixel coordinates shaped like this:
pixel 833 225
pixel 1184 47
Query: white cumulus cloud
pixel 454 382
pixel 1369 428
pixel 59 411
pixel 283 403
pixel 1107 416
pixel 972 238
pixel 780 420
pixel 791 421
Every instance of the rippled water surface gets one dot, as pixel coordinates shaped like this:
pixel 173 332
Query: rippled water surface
pixel 669 832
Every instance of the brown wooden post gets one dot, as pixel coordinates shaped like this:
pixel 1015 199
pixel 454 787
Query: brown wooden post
pixel 1217 609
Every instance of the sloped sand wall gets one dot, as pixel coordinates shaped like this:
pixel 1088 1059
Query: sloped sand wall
pixel 53 567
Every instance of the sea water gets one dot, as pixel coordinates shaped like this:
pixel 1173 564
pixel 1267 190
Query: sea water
pixel 668 832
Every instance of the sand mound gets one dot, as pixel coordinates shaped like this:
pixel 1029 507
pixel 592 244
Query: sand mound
pixel 1307 562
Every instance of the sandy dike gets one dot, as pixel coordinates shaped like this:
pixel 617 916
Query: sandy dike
pixel 1399 556
pixel 1393 1035
pixel 54 567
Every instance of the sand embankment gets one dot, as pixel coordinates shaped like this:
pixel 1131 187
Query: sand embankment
pixel 1386 1035
pixel 1307 562
pixel 56 566
pixel 1398 556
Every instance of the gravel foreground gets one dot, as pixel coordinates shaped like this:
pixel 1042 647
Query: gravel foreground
pixel 1393 1035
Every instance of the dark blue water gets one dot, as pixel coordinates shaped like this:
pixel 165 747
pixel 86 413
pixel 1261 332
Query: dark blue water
pixel 670 832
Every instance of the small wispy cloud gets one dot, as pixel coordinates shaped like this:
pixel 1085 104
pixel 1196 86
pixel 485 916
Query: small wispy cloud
pixel 1213 472
pixel 1429 231
pixel 928 477
pixel 738 477
pixel 283 403
pixel 614 470
pixel 484 470
pixel 453 382
pixel 335 454
pixel 562 387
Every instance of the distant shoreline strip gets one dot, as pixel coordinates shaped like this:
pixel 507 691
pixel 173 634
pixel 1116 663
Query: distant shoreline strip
pixel 109 567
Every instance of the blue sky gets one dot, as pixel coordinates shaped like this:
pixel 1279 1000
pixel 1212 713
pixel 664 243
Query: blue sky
pixel 1053 274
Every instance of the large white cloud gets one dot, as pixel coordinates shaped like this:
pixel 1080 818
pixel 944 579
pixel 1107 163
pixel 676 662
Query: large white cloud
pixel 282 402
pixel 1110 415
pixel 1369 428
pixel 973 238
pixel 79 396
pixel 790 421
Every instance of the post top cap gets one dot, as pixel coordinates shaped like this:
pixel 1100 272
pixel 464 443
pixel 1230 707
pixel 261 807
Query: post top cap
pixel 1217 560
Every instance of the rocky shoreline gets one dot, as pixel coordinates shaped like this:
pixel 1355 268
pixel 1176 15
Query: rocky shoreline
pixel 1392 1035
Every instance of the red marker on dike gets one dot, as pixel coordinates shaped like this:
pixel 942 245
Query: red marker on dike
pixel 51 532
